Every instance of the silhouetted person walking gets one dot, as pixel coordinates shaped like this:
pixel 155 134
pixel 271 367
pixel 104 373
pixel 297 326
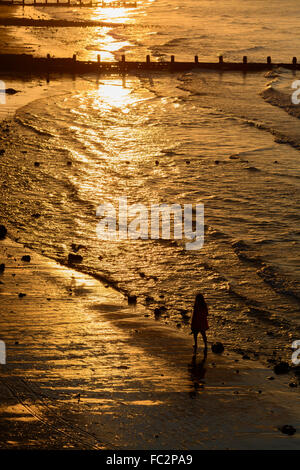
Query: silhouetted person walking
pixel 199 320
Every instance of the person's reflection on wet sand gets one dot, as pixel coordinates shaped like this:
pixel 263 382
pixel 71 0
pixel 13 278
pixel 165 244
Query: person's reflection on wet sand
pixel 197 371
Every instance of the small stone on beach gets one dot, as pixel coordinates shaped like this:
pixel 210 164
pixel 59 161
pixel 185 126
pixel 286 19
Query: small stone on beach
pixel 3 232
pixel 217 348
pixel 131 299
pixel 281 368
pixel 288 429
pixel 72 258
pixel 11 91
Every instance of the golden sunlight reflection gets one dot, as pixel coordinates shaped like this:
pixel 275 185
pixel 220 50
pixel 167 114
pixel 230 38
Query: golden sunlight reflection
pixel 114 96
pixel 117 15
pixel 106 45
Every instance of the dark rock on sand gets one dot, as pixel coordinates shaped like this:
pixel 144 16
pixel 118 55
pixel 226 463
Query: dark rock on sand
pixel 293 384
pixel 76 247
pixel 26 258
pixel 21 295
pixel 73 259
pixel 159 311
pixel 36 164
pixel 2 268
pixel 281 368
pixel 183 312
pixel 3 232
pixel 246 357
pixel 131 299
pixel 217 348
pixel 252 168
pixel 11 91
pixel 288 429
pixel 2 151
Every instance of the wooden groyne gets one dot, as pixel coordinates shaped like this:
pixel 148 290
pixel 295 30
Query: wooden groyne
pixel 29 64
pixel 69 3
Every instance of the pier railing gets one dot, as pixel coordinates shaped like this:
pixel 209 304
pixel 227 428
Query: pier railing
pixel 30 64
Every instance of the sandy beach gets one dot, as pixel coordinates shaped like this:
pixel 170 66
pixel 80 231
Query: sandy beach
pixel 85 370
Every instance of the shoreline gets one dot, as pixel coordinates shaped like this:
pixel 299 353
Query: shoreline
pixel 91 370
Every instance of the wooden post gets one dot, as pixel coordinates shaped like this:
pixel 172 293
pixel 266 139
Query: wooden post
pixel 220 59
pixel 245 59
pixel 123 59
pixel 295 61
pixel 98 58
pixel 269 60
pixel 48 56
pixel 74 58
pixel 196 59
pixel 23 2
pixel 172 59
pixel 148 59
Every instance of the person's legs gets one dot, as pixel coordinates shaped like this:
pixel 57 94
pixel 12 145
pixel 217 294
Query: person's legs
pixel 204 339
pixel 195 339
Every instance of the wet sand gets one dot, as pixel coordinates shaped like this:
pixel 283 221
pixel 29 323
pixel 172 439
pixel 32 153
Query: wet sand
pixel 85 370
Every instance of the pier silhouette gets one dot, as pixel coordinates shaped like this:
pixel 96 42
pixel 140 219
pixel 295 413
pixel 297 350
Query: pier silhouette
pixel 30 64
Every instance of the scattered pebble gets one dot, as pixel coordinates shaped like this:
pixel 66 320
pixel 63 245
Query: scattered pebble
pixel 293 384
pixel 131 299
pixel 3 232
pixel 288 429
pixel 72 258
pixel 26 258
pixel 11 91
pixel 217 348
pixel 281 368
